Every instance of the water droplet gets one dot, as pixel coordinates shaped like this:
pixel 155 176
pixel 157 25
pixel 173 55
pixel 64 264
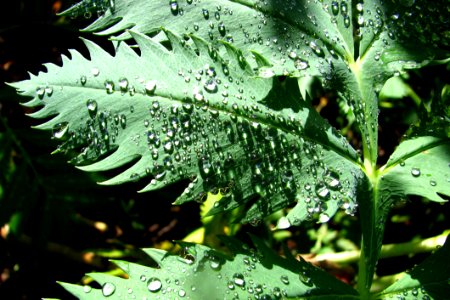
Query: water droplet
pixel 415 172
pixel 347 21
pixel 301 64
pixel 60 129
pixel 181 293
pixel 322 191
pixel 211 86
pixel 40 92
pixel 334 8
pixel 49 91
pixel 238 279
pixel 284 279
pixel 92 108
pixel 205 13
pixel 83 80
pixel 150 87
pixel 108 289
pixel 95 72
pixel 87 289
pixel 174 7
pixel 123 84
pixel 154 284
pixel 317 50
pixel 323 218
pixel 109 86
pixel 221 29
pixel 217 15
pixel 143 278
pixel 433 183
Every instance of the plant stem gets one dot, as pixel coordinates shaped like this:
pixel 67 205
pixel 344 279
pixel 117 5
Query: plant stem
pixel 389 250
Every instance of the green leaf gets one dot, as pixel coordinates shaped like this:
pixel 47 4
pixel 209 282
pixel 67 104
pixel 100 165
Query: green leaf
pixel 203 273
pixel 189 114
pixel 353 47
pixel 419 166
pixel 428 280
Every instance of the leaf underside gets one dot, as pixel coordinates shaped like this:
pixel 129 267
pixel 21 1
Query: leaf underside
pixel 202 273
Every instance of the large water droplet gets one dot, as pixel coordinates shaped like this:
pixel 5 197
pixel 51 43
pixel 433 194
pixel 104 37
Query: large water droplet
pixel 108 289
pixel 174 8
pixel 238 279
pixel 60 129
pixel 334 8
pixel 211 86
pixel 154 284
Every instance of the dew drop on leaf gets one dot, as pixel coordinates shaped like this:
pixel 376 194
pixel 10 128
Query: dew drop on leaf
pixel 154 284
pixel 150 87
pixel 123 84
pixel 211 86
pixel 83 80
pixel 60 129
pixel 221 29
pixel 238 279
pixel 433 183
pixel 40 92
pixel 87 289
pixel 92 108
pixel 323 218
pixel 205 13
pixel 109 86
pixel 334 8
pixel 174 7
pixel 415 172
pixel 284 279
pixel 95 72
pixel 108 289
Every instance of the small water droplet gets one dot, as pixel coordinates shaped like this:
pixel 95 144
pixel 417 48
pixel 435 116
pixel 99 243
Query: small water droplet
pixel 433 183
pixel 87 289
pixel 83 80
pixel 109 86
pixel 205 13
pixel 221 29
pixel 154 284
pixel 108 289
pixel 123 84
pixel 92 108
pixel 284 279
pixel 95 72
pixel 150 87
pixel 415 172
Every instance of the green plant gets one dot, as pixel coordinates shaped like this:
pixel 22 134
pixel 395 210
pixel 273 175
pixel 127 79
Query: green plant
pixel 219 93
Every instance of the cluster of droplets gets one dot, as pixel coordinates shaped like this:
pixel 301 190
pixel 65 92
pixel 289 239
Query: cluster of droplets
pixel 290 48
pixel 88 8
